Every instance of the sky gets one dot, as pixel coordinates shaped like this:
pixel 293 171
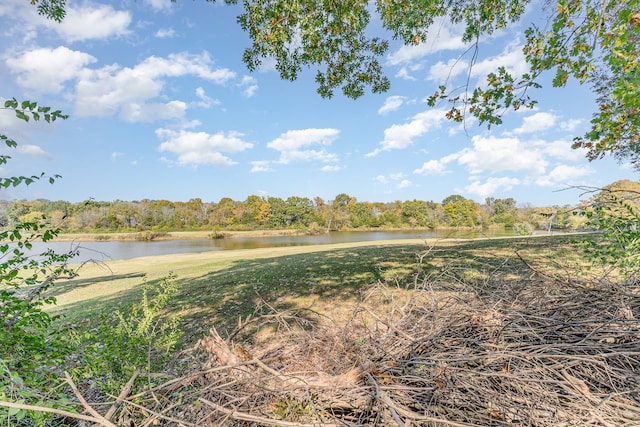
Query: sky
pixel 161 106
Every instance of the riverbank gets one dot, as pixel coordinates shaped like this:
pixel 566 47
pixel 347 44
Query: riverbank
pixel 173 235
pixel 231 234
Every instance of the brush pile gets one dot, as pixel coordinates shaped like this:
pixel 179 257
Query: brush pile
pixel 539 352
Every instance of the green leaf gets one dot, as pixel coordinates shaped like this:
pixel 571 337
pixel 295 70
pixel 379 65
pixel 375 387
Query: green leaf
pixel 22 116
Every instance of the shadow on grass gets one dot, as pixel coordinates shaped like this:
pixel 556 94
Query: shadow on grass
pixel 66 286
pixel 334 277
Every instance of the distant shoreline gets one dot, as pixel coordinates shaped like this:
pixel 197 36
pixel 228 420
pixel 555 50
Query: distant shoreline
pixel 172 235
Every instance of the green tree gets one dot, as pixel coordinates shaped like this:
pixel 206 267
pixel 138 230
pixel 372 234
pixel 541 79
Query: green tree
pixel 299 211
pixel 593 42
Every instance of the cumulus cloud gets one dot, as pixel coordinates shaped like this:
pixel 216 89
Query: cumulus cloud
pixel 398 179
pixel 165 33
pixel 441 71
pixel 113 89
pixel 491 186
pixel 198 148
pixel 381 179
pixel 563 175
pixel 398 137
pixel 249 86
pixel 294 145
pixel 559 149
pixel 537 122
pixel 405 183
pixel 92 22
pixel 502 154
pixel 442 36
pixel 46 70
pixel 159 4
pixel 392 103
pixel 570 125
pixel 205 100
pixel 510 58
pixel 431 167
pixel 260 166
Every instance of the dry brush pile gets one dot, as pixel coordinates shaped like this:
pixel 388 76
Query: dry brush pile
pixel 441 351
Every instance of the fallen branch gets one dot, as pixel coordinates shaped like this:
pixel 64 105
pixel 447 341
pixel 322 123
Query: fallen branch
pixel 122 396
pixel 64 413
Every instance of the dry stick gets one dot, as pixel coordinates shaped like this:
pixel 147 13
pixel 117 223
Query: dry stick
pixel 390 326
pixel 164 417
pixel 82 400
pixel 105 423
pixel 262 420
pixel 192 377
pixel 122 396
pixel 394 414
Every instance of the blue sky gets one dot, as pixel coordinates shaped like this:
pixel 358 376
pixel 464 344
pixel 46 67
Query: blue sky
pixel 162 107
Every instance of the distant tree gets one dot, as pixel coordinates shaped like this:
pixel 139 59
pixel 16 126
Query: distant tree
pixel 299 211
pixel 340 215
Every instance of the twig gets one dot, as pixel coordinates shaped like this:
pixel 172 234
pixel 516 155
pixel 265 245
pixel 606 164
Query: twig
pixel 394 413
pixel 122 396
pixel 262 420
pixel 82 400
pixel 98 421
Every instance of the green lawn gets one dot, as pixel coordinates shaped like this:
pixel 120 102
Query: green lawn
pixel 218 287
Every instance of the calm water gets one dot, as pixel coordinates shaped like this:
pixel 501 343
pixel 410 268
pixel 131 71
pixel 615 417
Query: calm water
pixel 114 250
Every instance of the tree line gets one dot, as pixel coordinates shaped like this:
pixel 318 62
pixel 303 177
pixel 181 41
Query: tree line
pixel 344 212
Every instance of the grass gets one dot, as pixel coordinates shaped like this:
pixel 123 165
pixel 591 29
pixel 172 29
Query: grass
pixel 219 287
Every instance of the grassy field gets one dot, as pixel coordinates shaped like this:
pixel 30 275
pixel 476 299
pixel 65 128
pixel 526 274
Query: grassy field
pixel 500 332
pixel 218 287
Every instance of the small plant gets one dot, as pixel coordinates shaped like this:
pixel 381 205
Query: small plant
pixel 618 243
pixel 138 338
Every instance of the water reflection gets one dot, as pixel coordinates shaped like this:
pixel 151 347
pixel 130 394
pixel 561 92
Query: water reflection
pixel 115 250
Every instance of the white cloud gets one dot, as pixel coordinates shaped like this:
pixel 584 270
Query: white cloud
pixel 127 91
pixel 381 179
pixel 431 167
pixel 293 145
pixel 441 72
pixel 205 100
pixel 165 33
pixel 196 148
pixel 159 4
pixel 33 150
pixel 398 137
pixel 46 70
pixel 502 154
pixel 570 125
pixel 398 178
pixel 91 22
pixel 563 175
pixel 260 166
pixel 560 150
pixel 116 154
pixel 330 168
pixel 511 58
pixel 405 183
pixel 491 186
pixel 536 123
pixel 392 103
pixel 134 112
pixel 250 86
pixel 441 36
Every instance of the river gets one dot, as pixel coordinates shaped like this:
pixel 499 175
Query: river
pixel 118 250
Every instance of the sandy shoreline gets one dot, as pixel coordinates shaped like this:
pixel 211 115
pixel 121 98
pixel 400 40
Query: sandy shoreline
pixel 173 235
